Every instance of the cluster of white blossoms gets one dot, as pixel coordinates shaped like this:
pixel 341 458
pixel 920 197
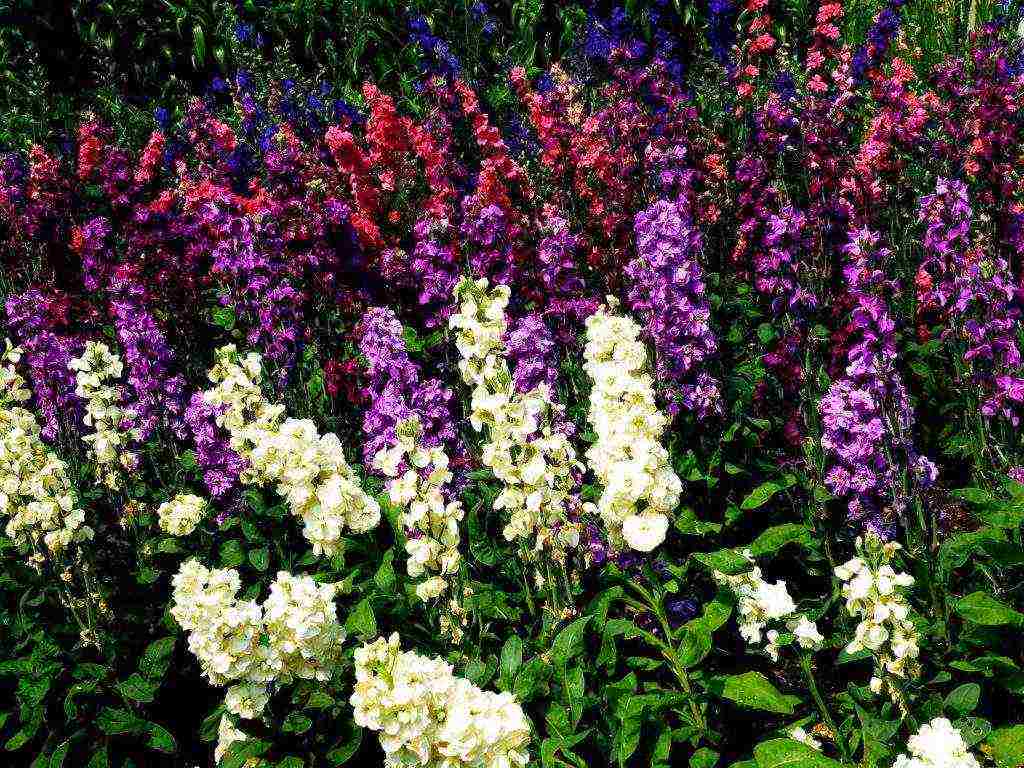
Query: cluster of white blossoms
pixel 535 462
pixel 248 646
pixel 874 594
pixel 433 543
pixel 428 717
pixel 36 494
pixel 108 442
pixel 937 745
pixel 759 603
pixel 181 515
pixel 640 488
pixel 307 468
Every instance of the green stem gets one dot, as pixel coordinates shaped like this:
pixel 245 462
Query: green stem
pixel 812 684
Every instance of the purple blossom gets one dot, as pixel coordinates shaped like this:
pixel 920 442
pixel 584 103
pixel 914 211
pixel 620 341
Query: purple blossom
pixel 531 353
pixel 435 264
pixel 395 390
pixel 220 464
pixel 867 419
pixel 33 319
pixel 157 394
pixel 666 290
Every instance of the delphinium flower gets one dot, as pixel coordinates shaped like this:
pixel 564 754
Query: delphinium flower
pixel 639 487
pixel 567 303
pixel 880 36
pixel 761 604
pixel 36 321
pixel 875 594
pixel 721 29
pixel 975 298
pixel 38 500
pixel 937 744
pixel 307 468
pixel 181 515
pixel 157 394
pixel 667 291
pixel 420 490
pixel 426 716
pixel 868 410
pixel 220 464
pixel 524 447
pixel 108 442
pixel 756 44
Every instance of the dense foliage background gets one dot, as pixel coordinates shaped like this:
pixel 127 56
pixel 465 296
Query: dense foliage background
pixel 800 204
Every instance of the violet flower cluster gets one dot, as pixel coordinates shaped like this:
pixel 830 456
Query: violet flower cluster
pixel 868 410
pixel 395 390
pixel 667 292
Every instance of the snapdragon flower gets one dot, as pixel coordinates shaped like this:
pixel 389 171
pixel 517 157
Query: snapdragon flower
pixel 37 496
pixel 874 593
pixel 307 468
pixel 640 488
pixel 937 745
pixel 181 515
pixel 108 442
pixel 526 446
pixel 426 716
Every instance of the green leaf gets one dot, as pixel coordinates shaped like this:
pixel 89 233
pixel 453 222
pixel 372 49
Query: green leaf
pixel 296 723
pixel 728 561
pixel 787 753
pixel 981 608
pixel 137 688
pixel 385 577
pixel 259 558
pixel 231 554
pixel 511 661
pixel 964 699
pixel 755 691
pixel 114 721
pixel 1006 746
pixel 157 658
pixel 159 739
pixel 760 495
pixel 704 758
pixel 569 641
pixel 362 621
pixel 777 537
pixel 99 759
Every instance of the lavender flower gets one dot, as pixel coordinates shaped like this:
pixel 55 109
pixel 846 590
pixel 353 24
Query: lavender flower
pixel 220 464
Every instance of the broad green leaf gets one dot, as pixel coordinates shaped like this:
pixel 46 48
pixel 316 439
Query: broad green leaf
pixel 963 699
pixel 777 537
pixel 755 691
pixel 511 660
pixel 760 495
pixel 362 621
pixel 157 657
pixel 981 608
pixel 788 753
pixel 137 688
pixel 569 641
pixel 1006 746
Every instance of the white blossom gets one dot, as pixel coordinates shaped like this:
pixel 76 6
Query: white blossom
pixel 426 716
pixel 307 468
pixel 937 745
pixel 639 487
pixel 181 515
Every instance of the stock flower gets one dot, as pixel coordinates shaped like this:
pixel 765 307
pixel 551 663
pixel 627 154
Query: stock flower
pixel 526 443
pixel 103 412
pixel 181 515
pixel 36 494
pixel 937 744
pixel 874 593
pixel 428 717
pixel 307 468
pixel 639 487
